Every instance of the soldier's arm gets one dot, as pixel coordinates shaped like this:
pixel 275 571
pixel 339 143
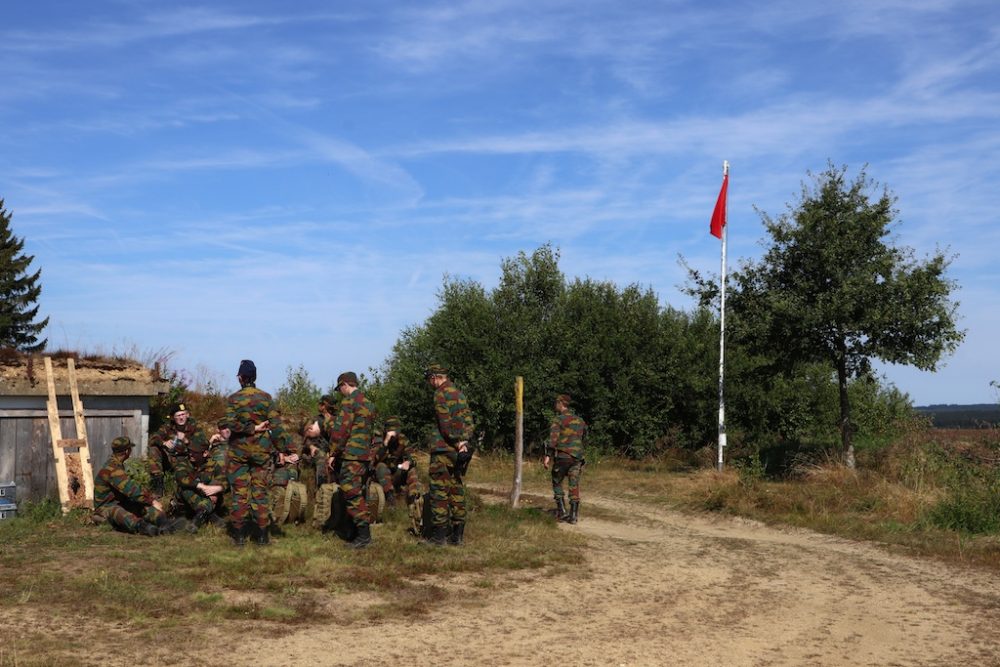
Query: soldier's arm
pixel 184 473
pixel 450 424
pixel 340 430
pixel 239 418
pixel 119 480
pixel 554 429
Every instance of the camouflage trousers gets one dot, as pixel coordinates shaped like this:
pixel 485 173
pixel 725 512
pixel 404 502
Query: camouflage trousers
pixel 352 479
pixel 193 500
pixel 288 503
pixel 248 480
pixel 570 469
pixel 128 516
pixel 447 493
pixel 390 480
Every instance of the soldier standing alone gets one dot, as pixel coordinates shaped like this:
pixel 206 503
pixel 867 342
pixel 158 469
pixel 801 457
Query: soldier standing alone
pixel 566 448
pixel 450 455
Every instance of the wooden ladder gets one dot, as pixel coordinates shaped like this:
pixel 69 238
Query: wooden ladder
pixel 73 491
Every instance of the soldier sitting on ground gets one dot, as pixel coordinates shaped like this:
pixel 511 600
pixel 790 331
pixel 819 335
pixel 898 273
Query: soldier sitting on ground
pixel 170 441
pixel 395 467
pixel 199 489
pixel 122 501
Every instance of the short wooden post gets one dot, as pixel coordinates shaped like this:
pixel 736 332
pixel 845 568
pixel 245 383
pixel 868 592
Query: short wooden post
pixel 515 493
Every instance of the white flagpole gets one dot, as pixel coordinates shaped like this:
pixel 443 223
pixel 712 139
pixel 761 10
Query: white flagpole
pixel 722 324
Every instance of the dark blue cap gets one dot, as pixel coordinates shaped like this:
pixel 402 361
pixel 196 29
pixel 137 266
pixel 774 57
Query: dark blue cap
pixel 247 370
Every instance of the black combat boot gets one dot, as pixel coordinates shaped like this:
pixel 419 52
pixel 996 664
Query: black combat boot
pixel 261 536
pixel 363 538
pixel 216 520
pixel 457 537
pixel 574 512
pixel 560 509
pixel 276 530
pixel 438 537
pixel 238 535
pixel 148 529
pixel 168 525
pixel 198 521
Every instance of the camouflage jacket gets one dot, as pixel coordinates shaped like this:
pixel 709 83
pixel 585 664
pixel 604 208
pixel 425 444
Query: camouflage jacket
pixel 396 451
pixel 351 431
pixel 207 469
pixel 566 436
pixel 192 430
pixel 286 472
pixel 246 409
pixel 113 485
pixel 162 457
pixel 454 418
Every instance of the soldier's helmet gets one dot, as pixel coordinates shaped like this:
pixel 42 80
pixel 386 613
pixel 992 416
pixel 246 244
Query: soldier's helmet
pixel 178 407
pixel 393 424
pixel 435 369
pixel 121 444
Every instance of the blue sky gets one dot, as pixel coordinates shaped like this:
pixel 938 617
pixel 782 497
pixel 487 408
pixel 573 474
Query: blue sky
pixel 289 182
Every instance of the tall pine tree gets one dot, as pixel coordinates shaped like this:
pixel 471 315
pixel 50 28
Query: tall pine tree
pixel 18 293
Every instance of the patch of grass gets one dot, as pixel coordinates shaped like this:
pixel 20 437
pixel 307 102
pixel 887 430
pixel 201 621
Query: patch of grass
pixel 60 566
pixel 930 493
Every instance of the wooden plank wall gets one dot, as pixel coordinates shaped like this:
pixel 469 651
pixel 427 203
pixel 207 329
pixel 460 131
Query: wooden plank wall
pixel 26 450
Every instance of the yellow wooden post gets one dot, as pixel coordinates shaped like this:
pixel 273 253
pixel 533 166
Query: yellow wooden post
pixel 515 493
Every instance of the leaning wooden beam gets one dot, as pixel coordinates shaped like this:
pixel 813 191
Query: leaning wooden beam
pixel 86 470
pixel 55 432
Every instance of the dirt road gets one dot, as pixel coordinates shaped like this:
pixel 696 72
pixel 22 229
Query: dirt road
pixel 672 589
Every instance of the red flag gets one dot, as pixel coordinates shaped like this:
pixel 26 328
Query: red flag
pixel 719 214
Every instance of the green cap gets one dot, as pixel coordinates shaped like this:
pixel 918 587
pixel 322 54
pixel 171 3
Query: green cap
pixel 435 369
pixel 121 444
pixel 348 377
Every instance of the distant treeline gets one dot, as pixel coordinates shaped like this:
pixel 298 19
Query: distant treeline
pixel 980 415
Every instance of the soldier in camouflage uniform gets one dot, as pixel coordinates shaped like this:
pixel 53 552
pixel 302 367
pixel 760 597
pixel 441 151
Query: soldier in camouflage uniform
pixel 395 467
pixel 350 434
pixel 256 433
pixel 565 453
pixel 200 484
pixel 450 455
pixel 288 497
pixel 216 467
pixel 314 452
pixel 123 502
pixel 169 443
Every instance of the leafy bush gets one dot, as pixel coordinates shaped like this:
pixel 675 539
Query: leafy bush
pixel 299 395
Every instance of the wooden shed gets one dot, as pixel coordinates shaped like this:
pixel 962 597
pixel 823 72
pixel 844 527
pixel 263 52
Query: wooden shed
pixel 115 396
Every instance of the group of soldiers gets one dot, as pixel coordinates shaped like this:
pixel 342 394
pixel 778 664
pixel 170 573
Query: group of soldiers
pixel 247 475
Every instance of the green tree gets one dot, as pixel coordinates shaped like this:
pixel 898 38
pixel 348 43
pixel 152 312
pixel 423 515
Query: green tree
pixel 19 293
pixel 832 288
pixel 299 396
pixel 634 369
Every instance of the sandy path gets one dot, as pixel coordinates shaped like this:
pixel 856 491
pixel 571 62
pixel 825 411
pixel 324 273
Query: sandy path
pixel 672 589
